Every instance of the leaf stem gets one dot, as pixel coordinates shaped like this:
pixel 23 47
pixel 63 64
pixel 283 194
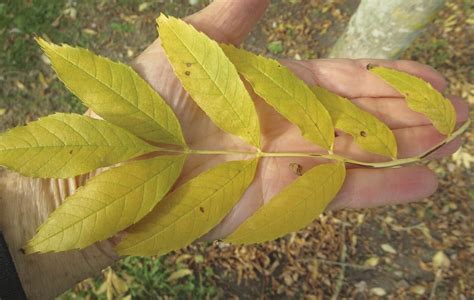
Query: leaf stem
pixel 332 156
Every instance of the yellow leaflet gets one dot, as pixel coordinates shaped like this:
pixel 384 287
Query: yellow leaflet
pixel 108 203
pixel 368 131
pixel 190 211
pixel 115 92
pixel 210 78
pixel 65 145
pixel 421 97
pixel 294 208
pixel 288 94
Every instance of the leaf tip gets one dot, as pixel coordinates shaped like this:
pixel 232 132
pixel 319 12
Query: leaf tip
pixel 30 247
pixel 161 18
pixel 43 43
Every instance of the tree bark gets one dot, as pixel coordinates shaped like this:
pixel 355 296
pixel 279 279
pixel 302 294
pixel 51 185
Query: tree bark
pixel 384 28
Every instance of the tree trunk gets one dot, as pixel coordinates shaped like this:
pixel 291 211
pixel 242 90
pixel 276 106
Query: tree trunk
pixel 384 28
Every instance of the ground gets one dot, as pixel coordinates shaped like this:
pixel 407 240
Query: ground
pixel 423 250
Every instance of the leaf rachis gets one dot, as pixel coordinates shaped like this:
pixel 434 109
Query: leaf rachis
pixel 138 191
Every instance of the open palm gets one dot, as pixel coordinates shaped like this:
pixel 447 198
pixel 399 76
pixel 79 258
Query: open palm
pixel 229 22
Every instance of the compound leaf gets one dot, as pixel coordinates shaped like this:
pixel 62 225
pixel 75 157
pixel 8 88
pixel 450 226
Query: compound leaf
pixel 115 92
pixel 108 203
pixel 294 208
pixel 210 78
pixel 288 94
pixel 190 211
pixel 65 145
pixel 368 132
pixel 421 97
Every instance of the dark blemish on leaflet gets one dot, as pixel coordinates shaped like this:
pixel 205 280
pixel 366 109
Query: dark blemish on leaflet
pixel 296 168
pixel 189 65
pixel 70 152
pixel 370 66
pixel 201 209
pixel 187 73
pixel 363 133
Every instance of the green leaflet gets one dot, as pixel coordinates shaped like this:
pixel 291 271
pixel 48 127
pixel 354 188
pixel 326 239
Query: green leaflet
pixel 190 211
pixel 108 203
pixel 294 208
pixel 368 132
pixel 115 92
pixel 65 145
pixel 421 97
pixel 288 94
pixel 210 78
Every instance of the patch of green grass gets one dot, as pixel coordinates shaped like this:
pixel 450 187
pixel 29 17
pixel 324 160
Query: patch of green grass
pixel 19 21
pixel 122 27
pixel 22 94
pixel 434 52
pixel 148 278
pixel 275 47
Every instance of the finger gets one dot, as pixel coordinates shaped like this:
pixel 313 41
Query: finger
pixel 229 21
pixel 411 142
pixel 350 78
pixel 396 114
pixel 365 188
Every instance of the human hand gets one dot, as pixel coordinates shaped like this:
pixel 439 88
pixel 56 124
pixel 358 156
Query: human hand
pixel 230 22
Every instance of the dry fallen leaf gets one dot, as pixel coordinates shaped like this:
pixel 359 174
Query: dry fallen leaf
pixel 179 274
pixel 440 260
pixel 378 291
pixel 389 249
pixel 372 261
pixel 463 158
pixel 418 289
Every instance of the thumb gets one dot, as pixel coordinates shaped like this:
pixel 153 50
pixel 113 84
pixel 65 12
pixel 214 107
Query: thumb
pixel 229 21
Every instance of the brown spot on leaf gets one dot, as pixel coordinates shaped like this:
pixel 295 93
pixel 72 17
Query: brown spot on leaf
pixel 70 151
pixel 296 168
pixel 201 209
pixel 370 66
pixel 189 65
pixel 187 73
pixel 363 133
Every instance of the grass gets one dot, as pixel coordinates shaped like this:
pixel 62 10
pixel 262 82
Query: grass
pixel 149 278
pixel 29 88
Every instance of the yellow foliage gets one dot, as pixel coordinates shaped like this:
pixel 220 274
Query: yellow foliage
pixel 65 145
pixel 190 211
pixel 108 203
pixel 294 208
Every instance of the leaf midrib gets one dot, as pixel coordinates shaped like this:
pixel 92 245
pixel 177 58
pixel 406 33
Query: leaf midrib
pixel 254 137
pixel 276 219
pixel 187 213
pixel 119 94
pixel 81 220
pixel 440 100
pixel 290 95
pixel 363 125
pixel 66 146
